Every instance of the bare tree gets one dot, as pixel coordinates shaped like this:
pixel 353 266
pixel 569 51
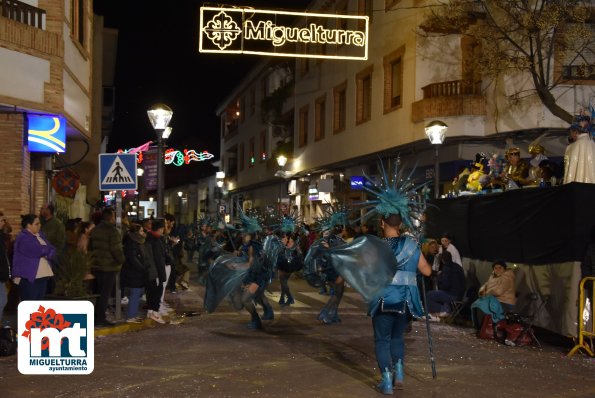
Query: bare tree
pixel 528 36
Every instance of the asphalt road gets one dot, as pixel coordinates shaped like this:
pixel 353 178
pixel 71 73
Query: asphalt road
pixel 214 355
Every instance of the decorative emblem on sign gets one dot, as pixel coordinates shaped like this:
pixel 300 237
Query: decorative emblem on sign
pixel 222 30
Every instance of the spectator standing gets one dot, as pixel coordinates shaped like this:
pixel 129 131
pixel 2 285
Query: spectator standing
pixel 53 228
pixel 107 257
pixel 451 286
pixel 31 267
pixel 83 234
pixel 4 268
pixel 579 157
pixel 156 286
pixel 135 271
pixel 174 252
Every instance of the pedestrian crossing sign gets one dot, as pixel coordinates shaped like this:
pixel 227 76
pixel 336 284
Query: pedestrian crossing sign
pixel 117 171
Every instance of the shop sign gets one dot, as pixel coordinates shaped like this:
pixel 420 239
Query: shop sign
pixel 46 133
pixel 283 33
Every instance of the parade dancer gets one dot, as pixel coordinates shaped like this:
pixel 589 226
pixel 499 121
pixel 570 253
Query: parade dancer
pixel 289 261
pixel 259 274
pixel 385 271
pixel 331 224
pixel 204 244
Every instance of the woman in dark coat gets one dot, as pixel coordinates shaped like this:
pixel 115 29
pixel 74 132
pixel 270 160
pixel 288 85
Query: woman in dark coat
pixel 135 271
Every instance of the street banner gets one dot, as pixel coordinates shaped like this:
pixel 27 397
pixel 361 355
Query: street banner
pixel 150 168
pixel 283 33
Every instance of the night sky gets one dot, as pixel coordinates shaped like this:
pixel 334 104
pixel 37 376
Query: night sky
pixel 158 61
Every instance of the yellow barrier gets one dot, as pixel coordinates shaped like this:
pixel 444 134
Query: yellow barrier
pixel 582 323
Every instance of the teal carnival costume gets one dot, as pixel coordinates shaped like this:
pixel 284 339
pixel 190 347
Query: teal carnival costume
pixel 318 269
pixel 385 270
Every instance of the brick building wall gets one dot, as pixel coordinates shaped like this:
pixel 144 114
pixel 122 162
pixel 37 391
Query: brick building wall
pixel 15 166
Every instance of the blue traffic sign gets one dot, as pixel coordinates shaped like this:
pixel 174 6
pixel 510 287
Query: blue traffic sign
pixel 117 171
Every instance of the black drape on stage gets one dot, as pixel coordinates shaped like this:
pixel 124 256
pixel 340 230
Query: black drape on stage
pixel 529 226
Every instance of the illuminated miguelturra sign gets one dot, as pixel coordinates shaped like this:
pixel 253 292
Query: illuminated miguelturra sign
pixel 281 33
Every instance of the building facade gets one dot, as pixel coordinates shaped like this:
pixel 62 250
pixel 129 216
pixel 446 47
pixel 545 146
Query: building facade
pixel 46 67
pixel 334 118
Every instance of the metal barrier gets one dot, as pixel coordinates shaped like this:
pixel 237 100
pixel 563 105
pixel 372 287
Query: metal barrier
pixel 585 317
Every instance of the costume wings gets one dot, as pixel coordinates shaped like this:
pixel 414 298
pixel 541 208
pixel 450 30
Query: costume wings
pixel 367 264
pixel 225 277
pixel 228 272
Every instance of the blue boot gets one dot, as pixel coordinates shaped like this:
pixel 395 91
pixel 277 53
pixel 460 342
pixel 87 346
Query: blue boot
pixel 268 315
pixel 282 300
pixel 290 300
pixel 323 314
pixel 398 375
pixel 386 384
pixel 255 323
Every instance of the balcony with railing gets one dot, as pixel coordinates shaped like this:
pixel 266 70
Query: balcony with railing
pixel 23 13
pixel 452 98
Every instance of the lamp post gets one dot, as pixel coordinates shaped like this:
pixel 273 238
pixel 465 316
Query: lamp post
pixel 160 116
pixel 180 194
pixel 281 161
pixel 436 132
pixel 220 177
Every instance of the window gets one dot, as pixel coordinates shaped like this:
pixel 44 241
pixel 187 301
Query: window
pixel 251 153
pixel 393 80
pixel 241 157
pixel 341 9
pixel 363 104
pixel 78 22
pixel 252 103
pixel 263 146
pixel 573 68
pixel 388 4
pixel 319 118
pixel 303 123
pixel 339 107
pixel 365 7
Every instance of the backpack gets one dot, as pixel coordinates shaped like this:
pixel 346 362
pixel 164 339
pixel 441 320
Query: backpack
pixel 8 341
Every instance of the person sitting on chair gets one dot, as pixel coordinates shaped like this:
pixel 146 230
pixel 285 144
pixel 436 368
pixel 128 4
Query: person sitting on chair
pixel 451 287
pixel 501 286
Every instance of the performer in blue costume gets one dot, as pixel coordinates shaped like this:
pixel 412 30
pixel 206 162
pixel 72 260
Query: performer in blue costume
pixel 259 274
pixel 385 271
pixel 288 257
pixel 319 270
pixel 242 275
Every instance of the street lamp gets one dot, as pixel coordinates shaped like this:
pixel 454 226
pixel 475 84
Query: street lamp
pixel 160 116
pixel 220 177
pixel 180 194
pixel 281 161
pixel 436 132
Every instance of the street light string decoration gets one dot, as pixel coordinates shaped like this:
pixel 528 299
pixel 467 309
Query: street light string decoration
pixel 172 156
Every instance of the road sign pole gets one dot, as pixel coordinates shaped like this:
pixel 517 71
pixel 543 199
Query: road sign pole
pixel 118 303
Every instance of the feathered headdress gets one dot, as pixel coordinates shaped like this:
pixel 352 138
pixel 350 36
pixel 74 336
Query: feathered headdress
pixel 204 220
pixel 333 215
pixel 287 222
pixel 396 195
pixel 250 223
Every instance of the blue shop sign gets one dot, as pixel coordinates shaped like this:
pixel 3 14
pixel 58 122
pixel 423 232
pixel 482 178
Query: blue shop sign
pixel 46 133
